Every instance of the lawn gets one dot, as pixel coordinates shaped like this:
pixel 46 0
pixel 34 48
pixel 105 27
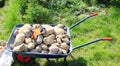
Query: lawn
pixel 106 24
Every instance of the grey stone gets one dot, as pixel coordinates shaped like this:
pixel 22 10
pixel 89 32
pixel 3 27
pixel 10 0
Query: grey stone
pixel 38 48
pixel 39 39
pixel 53 49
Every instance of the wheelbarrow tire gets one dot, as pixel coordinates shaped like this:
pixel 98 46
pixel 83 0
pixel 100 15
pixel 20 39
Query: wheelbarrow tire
pixel 22 58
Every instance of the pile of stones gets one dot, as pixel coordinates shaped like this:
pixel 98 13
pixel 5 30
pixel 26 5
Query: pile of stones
pixel 44 39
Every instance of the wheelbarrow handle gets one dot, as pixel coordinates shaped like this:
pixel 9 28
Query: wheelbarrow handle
pixel 88 43
pixel 106 38
pixel 77 23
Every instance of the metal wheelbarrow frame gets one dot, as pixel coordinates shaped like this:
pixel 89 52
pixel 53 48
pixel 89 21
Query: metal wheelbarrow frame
pixel 29 56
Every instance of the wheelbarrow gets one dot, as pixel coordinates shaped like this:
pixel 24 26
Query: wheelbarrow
pixel 26 57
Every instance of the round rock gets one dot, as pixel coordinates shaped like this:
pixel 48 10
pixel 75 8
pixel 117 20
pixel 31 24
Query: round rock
pixel 66 40
pixel 39 39
pixel 48 30
pixel 31 45
pixel 20 38
pixel 44 47
pixel 59 40
pixel 64 51
pixel 58 31
pixel 28 40
pixel 64 46
pixel 25 28
pixel 49 40
pixel 53 49
pixel 20 48
pixel 60 26
pixel 38 48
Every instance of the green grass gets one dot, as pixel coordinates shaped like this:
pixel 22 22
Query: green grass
pixel 104 53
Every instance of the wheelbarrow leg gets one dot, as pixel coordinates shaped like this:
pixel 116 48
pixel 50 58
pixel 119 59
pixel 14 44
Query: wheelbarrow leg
pixel 51 64
pixel 65 61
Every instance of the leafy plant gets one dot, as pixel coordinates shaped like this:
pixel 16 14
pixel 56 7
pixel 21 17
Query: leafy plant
pixel 23 6
pixel 37 14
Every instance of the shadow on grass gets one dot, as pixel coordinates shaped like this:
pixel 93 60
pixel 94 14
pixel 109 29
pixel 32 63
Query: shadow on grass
pixel 72 62
pixel 26 64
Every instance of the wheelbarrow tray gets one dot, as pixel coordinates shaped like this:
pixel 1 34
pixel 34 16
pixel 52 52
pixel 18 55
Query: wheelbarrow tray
pixel 40 55
pixel 37 54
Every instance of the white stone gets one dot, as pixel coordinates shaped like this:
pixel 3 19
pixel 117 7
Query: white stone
pixel 60 51
pixel 66 40
pixel 48 30
pixel 31 45
pixel 58 31
pixel 20 38
pixel 49 39
pixel 60 26
pixel 25 28
pixel 56 44
pixel 64 46
pixel 28 40
pixel 20 48
pixel 59 40
pixel 44 47
pixel 64 51
pixel 44 52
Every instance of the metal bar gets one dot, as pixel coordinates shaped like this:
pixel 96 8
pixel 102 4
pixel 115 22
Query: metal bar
pixel 88 43
pixel 57 60
pixel 49 62
pixel 77 23
pixel 65 61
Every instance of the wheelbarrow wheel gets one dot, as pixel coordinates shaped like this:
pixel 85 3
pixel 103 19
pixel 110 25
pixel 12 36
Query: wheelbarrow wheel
pixel 22 58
